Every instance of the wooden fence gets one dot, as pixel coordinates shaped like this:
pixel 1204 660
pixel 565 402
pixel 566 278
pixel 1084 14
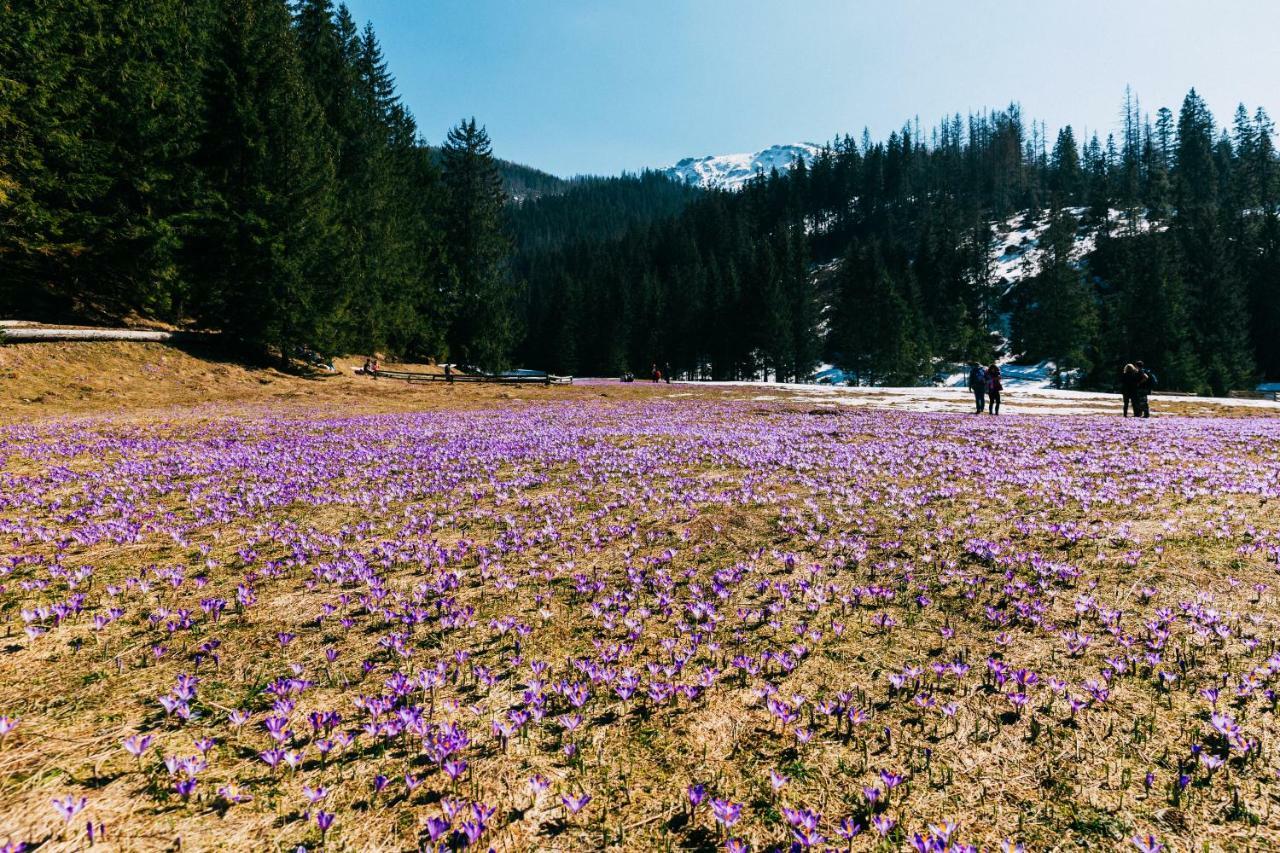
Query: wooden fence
pixel 502 378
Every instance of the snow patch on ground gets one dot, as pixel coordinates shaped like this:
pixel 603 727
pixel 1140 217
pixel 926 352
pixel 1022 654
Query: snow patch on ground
pixel 1011 376
pixel 959 399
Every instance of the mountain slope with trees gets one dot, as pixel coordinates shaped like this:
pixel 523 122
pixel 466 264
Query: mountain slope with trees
pixel 1181 216
pixel 247 166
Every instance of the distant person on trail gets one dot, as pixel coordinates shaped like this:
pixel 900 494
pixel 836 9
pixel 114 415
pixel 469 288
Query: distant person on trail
pixel 994 387
pixel 1142 394
pixel 666 372
pixel 655 372
pixel 1129 388
pixel 373 367
pixel 977 384
pixel 448 373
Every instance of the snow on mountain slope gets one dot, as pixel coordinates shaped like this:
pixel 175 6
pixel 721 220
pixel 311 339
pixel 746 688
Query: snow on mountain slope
pixel 1015 249
pixel 731 171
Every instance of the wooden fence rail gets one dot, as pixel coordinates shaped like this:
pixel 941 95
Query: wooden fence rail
pixel 505 379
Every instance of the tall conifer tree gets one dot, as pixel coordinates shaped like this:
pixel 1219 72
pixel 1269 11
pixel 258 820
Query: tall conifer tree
pixel 266 254
pixel 483 331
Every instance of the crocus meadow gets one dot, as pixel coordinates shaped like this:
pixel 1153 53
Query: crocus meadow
pixel 639 624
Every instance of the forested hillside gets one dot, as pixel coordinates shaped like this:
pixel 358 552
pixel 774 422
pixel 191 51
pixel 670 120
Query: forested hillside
pixel 520 182
pixel 592 210
pixel 247 166
pixel 1180 215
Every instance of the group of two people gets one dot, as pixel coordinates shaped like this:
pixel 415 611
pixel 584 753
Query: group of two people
pixel 657 374
pixel 1136 385
pixel 986 386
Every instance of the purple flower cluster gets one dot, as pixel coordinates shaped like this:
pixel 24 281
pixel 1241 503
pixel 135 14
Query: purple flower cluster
pixel 642 624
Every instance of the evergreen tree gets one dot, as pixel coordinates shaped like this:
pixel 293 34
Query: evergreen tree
pixel 1065 168
pixel 264 257
pixel 1055 317
pixel 802 307
pixel 483 330
pixel 1217 292
pixel 100 112
pixel 876 332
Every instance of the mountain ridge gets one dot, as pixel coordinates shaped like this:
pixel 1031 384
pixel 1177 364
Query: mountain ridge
pixel 732 171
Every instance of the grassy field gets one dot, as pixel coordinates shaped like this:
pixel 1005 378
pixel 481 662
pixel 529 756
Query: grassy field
pixel 247 610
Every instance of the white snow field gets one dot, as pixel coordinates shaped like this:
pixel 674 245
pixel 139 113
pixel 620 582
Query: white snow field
pixel 1014 401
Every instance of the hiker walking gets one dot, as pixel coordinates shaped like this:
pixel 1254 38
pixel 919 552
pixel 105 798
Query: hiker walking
pixel 977 384
pixel 666 371
pixel 448 373
pixel 655 372
pixel 1142 391
pixel 1129 388
pixel 994 387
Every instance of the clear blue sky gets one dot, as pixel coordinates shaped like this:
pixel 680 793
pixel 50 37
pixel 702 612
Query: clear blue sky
pixel 573 86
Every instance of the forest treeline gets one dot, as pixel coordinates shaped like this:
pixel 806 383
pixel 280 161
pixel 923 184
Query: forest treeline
pixel 247 166
pixel 878 257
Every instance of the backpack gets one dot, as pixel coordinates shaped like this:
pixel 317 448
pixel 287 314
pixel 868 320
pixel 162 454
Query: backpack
pixel 1151 380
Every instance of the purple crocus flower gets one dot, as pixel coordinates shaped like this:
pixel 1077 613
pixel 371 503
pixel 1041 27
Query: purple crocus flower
pixel 136 745
pixel 68 807
pixel 883 824
pixel 575 804
pixel 726 812
pixel 7 725
pixel 437 827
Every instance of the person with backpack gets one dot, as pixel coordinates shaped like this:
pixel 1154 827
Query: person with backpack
pixel 1129 378
pixel 978 385
pixel 994 387
pixel 1146 383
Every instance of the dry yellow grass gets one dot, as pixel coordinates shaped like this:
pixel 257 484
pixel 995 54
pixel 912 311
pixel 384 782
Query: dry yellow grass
pixel 1040 776
pixel 143 379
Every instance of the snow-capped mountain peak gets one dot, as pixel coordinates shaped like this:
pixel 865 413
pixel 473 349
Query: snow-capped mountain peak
pixel 731 171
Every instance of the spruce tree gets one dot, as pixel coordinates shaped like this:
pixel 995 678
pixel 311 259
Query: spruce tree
pixel 484 327
pixel 99 105
pixel 1219 319
pixel 49 159
pixel 264 260
pixel 1065 168
pixel 1055 317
